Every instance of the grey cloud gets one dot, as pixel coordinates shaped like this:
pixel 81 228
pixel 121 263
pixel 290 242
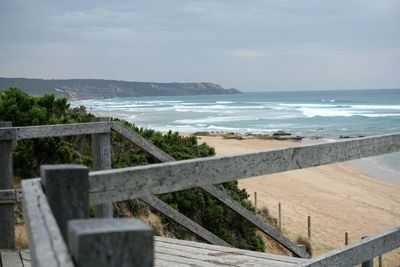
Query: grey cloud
pixel 251 45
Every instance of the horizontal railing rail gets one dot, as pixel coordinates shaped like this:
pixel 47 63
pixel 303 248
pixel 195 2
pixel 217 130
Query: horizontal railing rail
pixel 359 252
pixel 29 132
pixel 133 182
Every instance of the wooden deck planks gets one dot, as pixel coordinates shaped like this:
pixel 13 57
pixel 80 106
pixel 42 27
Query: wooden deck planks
pixel 26 258
pixel 214 248
pixel 200 254
pixel 173 252
pixel 15 258
pixel 11 258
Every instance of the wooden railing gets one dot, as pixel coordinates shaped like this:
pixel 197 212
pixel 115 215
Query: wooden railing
pixel 48 209
pixel 102 160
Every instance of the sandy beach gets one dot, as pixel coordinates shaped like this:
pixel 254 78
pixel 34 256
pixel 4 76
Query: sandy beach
pixel 338 197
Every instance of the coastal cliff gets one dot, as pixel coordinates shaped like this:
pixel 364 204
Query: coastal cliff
pixel 96 88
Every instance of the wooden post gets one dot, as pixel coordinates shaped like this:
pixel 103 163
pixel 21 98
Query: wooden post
pixel 67 191
pixel 280 216
pixel 368 263
pixel 380 261
pixel 101 153
pixel 255 199
pixel 111 242
pixel 346 238
pixel 7 231
pixel 309 227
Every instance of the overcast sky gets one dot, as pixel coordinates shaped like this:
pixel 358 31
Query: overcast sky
pixel 247 44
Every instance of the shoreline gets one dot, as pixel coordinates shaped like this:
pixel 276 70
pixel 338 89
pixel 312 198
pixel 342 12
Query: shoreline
pixel 375 169
pixel 372 167
pixel 367 166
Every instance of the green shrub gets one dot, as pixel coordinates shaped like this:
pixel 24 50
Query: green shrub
pixel 25 110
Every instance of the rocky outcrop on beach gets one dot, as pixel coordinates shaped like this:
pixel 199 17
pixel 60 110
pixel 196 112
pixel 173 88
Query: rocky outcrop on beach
pixel 278 135
pixel 96 88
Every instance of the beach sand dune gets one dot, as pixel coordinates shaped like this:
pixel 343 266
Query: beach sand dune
pixel 338 198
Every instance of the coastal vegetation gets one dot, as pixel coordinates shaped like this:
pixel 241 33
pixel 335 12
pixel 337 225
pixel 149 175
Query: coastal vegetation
pixel 23 110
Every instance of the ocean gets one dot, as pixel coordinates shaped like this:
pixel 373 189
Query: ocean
pixel 322 115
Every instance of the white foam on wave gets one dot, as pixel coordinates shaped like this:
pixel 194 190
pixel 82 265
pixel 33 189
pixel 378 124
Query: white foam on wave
pixel 326 112
pixel 215 119
pixel 381 115
pixel 158 101
pixel 211 108
pixel 299 105
pixel 369 107
pixel 242 130
pixel 199 109
pixel 335 110
pixel 225 102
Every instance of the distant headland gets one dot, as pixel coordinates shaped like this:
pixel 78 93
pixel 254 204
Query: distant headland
pixel 98 88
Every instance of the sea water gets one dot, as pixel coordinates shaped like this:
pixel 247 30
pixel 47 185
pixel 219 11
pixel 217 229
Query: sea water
pixel 327 115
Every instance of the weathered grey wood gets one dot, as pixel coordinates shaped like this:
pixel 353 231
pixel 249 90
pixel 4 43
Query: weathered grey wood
pixel 245 213
pixel 7 132
pixel 183 220
pixel 46 244
pixel 174 252
pixel 111 242
pixel 101 153
pixel 10 258
pixel 141 142
pixel 167 263
pixel 359 252
pixel 10 196
pixel 28 132
pixel 197 248
pixel 211 189
pixel 7 231
pixel 66 188
pixel 210 255
pixel 133 182
pixel 370 262
pixel 25 255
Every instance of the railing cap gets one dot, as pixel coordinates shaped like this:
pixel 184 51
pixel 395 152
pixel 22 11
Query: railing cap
pixel 106 225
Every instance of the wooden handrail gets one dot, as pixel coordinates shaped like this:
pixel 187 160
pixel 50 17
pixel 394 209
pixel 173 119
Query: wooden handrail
pixel 29 132
pixel 133 182
pixel 359 252
pixel 46 243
